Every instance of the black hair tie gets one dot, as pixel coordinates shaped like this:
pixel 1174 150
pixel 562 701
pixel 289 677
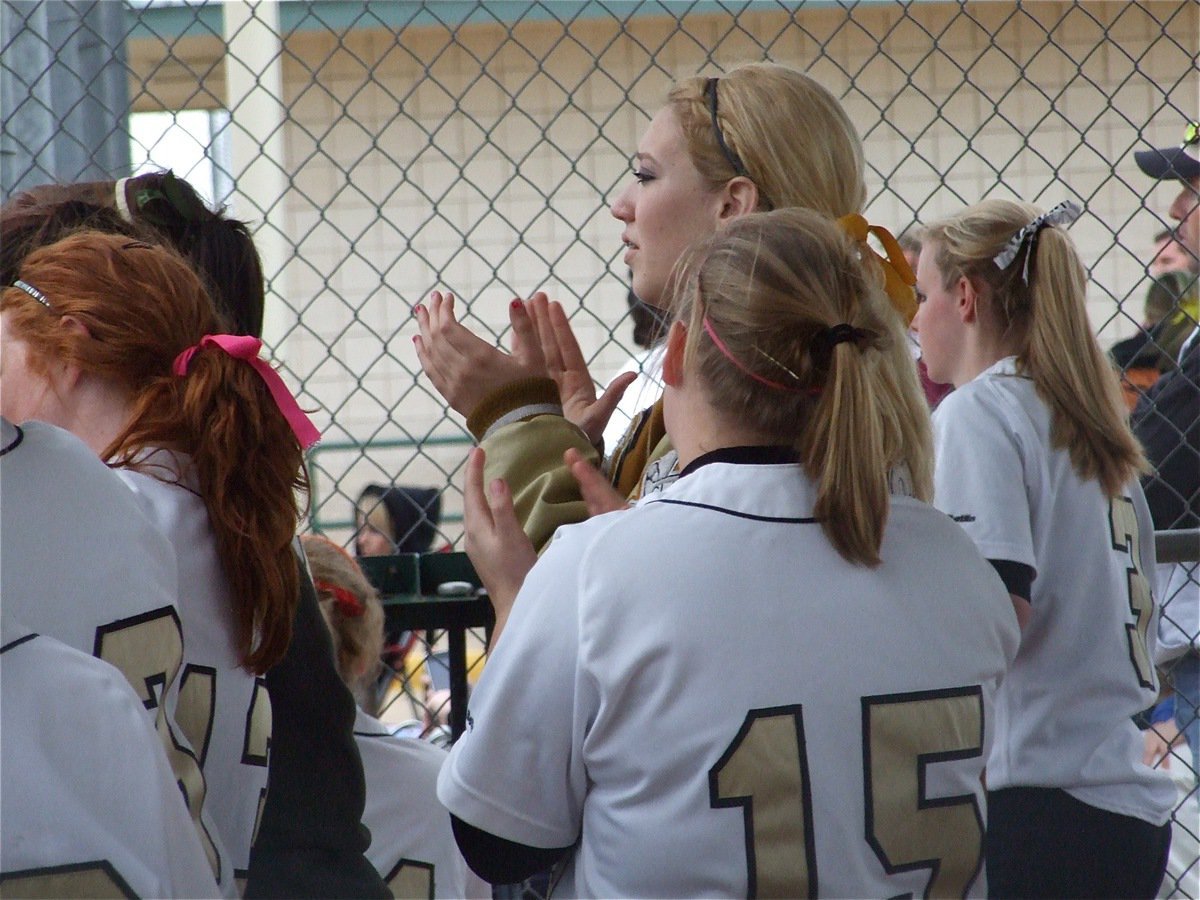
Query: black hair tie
pixel 825 340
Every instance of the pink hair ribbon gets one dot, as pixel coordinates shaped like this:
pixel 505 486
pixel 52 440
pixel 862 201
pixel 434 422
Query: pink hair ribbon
pixel 897 274
pixel 245 347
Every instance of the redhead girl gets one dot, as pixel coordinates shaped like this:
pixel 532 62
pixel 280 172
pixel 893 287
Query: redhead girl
pixel 117 341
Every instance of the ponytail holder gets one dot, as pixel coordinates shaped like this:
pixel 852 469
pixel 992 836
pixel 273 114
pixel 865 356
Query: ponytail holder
pixel 245 347
pixel 897 273
pixel 823 342
pixel 1063 214
pixel 347 604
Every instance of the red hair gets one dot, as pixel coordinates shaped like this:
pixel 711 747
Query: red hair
pixel 140 306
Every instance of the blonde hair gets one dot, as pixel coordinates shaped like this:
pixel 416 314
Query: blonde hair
pixel 773 287
pixel 1048 321
pixel 357 635
pixel 793 137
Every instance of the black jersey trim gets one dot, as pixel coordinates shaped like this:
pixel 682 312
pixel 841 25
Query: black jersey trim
pixel 783 520
pixel 16 442
pixel 754 455
pixel 18 642
pixel 376 734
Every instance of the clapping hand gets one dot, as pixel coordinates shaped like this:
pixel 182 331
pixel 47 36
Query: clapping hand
pixel 566 365
pixel 598 494
pixel 463 367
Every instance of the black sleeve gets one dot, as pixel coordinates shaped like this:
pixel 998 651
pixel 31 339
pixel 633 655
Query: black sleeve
pixel 1167 422
pixel 498 861
pixel 311 842
pixel 1017 577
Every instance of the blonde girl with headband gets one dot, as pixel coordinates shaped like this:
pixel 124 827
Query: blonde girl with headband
pixel 1036 462
pixel 118 342
pixel 760 137
pixel 859 634
pixel 412 846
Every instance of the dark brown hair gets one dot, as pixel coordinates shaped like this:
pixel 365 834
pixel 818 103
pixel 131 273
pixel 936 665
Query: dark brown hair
pixel 163 208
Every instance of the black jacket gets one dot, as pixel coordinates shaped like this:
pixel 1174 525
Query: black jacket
pixel 1167 422
pixel 311 842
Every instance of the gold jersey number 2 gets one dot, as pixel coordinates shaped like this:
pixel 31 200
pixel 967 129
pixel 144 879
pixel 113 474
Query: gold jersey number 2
pixel 765 771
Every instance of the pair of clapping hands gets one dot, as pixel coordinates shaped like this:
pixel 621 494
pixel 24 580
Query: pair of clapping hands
pixel 465 369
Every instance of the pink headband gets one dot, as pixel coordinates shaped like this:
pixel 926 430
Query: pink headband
pixel 720 344
pixel 245 347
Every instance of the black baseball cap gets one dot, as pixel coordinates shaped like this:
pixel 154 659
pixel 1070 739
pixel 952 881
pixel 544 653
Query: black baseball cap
pixel 1175 162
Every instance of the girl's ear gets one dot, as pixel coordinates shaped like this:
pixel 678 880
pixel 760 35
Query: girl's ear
pixel 672 371
pixel 69 373
pixel 968 300
pixel 76 327
pixel 739 197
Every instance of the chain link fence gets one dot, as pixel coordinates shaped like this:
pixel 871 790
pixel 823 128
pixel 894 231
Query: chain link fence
pixel 381 149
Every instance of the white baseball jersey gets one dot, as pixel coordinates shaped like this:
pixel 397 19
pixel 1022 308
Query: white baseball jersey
pixel 88 805
pixel 412 844
pixel 713 702
pixel 81 562
pixel 1064 713
pixel 223 709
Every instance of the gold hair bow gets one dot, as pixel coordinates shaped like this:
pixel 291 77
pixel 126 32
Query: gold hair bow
pixel 898 275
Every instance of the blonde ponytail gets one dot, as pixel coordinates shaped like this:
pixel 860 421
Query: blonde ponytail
pixel 1047 319
pixel 793 336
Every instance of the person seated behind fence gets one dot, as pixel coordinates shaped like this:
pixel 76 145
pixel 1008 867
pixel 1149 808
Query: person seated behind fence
pixel 1171 255
pixel 88 805
pixel 1035 459
pixel 412 845
pixel 115 340
pixel 309 702
pixel 391 519
pixel 1171 312
pixel 842 608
